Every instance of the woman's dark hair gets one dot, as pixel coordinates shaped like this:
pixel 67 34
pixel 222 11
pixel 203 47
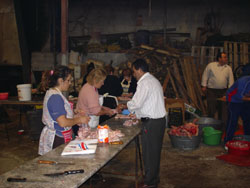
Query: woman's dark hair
pixel 109 69
pixel 90 67
pixel 127 72
pixel 141 64
pixel 59 72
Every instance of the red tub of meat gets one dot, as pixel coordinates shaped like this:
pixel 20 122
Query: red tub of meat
pixel 238 147
pixel 4 96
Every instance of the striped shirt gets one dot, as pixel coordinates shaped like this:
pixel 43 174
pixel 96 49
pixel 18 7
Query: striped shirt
pixel 148 100
pixel 217 76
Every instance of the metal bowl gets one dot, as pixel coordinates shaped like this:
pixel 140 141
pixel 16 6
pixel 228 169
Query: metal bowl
pixel 208 121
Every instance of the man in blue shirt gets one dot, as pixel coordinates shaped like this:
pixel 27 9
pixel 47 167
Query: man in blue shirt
pixel 238 107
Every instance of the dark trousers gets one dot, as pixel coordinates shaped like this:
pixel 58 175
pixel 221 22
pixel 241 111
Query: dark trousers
pixel 58 141
pixel 152 138
pixel 236 110
pixel 212 104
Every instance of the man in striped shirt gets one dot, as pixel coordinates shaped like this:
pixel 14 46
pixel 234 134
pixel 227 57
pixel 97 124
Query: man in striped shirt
pixel 148 105
pixel 237 107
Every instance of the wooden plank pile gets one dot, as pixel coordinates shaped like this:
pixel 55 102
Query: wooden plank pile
pixel 179 75
pixel 238 53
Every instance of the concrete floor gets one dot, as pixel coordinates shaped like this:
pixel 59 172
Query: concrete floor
pixel 179 169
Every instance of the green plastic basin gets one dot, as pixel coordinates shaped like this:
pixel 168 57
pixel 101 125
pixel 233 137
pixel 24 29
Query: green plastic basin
pixel 211 136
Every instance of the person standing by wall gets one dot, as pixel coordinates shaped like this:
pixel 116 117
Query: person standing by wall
pixel 128 83
pixel 216 78
pixel 58 116
pixel 237 107
pixel 148 105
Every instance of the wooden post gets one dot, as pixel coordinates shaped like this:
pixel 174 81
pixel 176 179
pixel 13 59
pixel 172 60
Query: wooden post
pixel 235 55
pixel 64 31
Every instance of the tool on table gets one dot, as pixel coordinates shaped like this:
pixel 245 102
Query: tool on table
pixel 116 142
pixel 112 143
pixel 65 173
pixel 52 162
pixel 10 179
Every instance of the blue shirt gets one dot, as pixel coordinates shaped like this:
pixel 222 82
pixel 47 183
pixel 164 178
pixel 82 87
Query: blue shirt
pixel 56 109
pixel 238 90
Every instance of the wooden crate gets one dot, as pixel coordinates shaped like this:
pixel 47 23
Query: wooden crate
pixel 204 54
pixel 238 53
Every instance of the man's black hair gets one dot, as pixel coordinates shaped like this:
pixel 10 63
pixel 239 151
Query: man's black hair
pixel 141 64
pixel 219 55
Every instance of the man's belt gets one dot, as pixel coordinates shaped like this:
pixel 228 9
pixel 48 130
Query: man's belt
pixel 144 119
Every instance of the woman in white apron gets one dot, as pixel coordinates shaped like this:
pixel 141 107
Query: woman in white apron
pixel 89 100
pixel 128 83
pixel 58 116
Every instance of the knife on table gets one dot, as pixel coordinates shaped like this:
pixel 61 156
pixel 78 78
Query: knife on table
pixel 65 173
pixel 52 162
pixel 10 179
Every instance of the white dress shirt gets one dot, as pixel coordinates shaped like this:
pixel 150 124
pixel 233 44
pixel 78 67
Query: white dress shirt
pixel 217 76
pixel 148 99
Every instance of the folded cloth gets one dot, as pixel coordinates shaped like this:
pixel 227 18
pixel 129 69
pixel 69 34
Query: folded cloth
pixel 235 159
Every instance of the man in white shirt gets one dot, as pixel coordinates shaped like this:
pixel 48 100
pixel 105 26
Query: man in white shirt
pixel 216 78
pixel 148 105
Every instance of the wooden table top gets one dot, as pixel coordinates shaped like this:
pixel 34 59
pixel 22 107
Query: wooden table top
pixel 91 163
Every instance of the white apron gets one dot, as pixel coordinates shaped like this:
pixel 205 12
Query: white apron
pixel 94 120
pixel 48 133
pixel 125 86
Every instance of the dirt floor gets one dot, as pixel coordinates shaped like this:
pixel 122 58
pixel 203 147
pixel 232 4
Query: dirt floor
pixel 197 168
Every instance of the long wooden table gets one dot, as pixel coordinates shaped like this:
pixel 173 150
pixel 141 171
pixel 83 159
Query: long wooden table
pixel 17 102
pixel 91 163
pixel 21 104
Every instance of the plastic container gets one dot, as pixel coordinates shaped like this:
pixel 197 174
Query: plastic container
pixel 4 96
pixel 239 151
pixel 211 136
pixel 184 142
pixel 103 134
pixel 24 92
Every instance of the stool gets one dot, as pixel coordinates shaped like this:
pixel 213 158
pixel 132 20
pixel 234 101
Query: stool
pixel 175 103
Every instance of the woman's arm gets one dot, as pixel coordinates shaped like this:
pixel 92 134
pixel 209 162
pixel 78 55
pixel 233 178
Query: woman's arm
pixel 105 111
pixel 66 122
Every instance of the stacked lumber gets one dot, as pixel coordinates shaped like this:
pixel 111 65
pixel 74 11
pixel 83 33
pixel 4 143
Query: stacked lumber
pixel 179 75
pixel 238 53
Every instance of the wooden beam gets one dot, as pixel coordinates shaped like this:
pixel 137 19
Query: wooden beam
pixel 160 51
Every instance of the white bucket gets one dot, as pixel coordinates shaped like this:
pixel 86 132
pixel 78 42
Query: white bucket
pixel 24 92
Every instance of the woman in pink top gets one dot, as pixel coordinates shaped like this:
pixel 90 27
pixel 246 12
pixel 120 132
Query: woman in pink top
pixel 88 99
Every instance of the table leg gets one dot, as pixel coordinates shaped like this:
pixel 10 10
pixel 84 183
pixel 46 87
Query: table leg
pixel 20 118
pixel 137 153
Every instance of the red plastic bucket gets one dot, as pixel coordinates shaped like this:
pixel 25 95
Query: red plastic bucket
pixel 238 147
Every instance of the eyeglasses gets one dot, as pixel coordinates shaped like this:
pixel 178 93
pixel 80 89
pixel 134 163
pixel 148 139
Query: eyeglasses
pixel 69 80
